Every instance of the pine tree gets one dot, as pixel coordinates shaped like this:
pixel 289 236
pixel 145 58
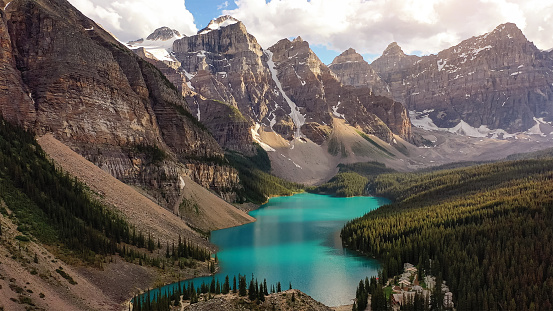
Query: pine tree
pixel 226 286
pixel 242 285
pixel 251 291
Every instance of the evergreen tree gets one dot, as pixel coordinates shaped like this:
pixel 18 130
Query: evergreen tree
pixel 251 291
pixel 242 285
pixel 226 286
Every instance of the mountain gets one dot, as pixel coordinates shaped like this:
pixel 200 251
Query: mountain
pixel 163 34
pixel 351 69
pixel 320 96
pixel 69 77
pixel 285 88
pixel 496 81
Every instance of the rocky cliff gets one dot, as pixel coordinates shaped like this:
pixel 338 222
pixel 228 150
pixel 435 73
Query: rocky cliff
pixel 286 88
pixel 95 95
pixel 224 62
pixel 351 69
pixel 319 95
pixel 498 80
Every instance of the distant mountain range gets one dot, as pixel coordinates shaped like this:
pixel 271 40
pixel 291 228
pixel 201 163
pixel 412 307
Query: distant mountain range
pixel 493 85
pixel 82 85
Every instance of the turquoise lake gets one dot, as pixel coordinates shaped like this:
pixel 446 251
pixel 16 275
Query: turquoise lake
pixel 297 239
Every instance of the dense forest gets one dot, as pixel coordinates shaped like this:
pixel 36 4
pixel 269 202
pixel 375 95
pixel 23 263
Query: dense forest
pixel 486 229
pixel 351 179
pixel 258 184
pixel 58 210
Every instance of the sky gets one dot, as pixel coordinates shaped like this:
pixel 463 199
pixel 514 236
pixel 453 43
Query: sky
pixel 331 26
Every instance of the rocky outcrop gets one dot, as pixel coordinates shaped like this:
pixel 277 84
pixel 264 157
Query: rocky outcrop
pixel 224 62
pixel 319 95
pixel 101 99
pixel 226 123
pixel 16 103
pixel 351 69
pixel 290 300
pixel 499 80
pixel 392 66
pixel 286 88
pixel 163 34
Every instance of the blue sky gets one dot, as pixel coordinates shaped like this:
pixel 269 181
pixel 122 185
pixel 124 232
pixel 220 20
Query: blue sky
pixel 206 10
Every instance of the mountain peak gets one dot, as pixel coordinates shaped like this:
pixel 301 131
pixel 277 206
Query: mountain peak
pixel 350 51
pixel 218 23
pixel 508 30
pixel 393 49
pixel 298 39
pixel 163 34
pixel 348 56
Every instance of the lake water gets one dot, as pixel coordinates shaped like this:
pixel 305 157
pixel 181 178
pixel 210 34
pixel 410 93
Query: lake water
pixel 297 239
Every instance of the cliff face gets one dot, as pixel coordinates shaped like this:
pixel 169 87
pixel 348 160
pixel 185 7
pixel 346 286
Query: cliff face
pixel 97 96
pixel 224 62
pixel 285 88
pixel 226 123
pixel 351 69
pixel 499 80
pixel 319 95
pixel 16 104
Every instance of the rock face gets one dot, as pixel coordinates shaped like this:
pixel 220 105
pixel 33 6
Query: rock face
pixel 226 123
pixel 319 96
pixel 286 88
pixel 97 96
pixel 351 69
pixel 224 62
pixel 499 80
pixel 16 103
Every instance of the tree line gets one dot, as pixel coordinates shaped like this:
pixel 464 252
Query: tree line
pixel 161 300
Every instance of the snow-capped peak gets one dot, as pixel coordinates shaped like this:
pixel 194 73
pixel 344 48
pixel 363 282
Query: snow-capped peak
pixel 163 34
pixel 218 23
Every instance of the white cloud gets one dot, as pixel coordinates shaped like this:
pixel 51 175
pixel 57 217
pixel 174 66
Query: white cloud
pixel 133 19
pixel 427 26
pixel 222 6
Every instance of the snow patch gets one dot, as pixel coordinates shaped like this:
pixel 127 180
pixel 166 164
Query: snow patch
pixel 335 111
pixel 216 26
pixel 89 29
pixel 422 120
pixel 189 77
pixel 257 138
pixel 297 117
pixel 536 129
pixel 161 54
pixel 441 63
pixel 7 5
pixel 299 78
pixel 182 184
